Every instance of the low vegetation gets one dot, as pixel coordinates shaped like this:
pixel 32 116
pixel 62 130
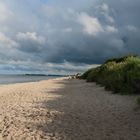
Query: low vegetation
pixel 121 75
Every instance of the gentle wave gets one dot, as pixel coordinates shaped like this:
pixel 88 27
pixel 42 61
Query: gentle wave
pixel 8 79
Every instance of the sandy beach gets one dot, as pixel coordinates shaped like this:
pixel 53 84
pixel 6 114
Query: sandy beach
pixel 63 109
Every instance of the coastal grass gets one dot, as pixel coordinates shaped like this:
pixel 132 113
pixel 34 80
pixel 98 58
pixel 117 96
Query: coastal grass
pixel 120 75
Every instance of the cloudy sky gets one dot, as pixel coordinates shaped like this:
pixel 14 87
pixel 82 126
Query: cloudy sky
pixel 66 36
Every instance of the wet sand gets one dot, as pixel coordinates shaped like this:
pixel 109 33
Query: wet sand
pixel 63 109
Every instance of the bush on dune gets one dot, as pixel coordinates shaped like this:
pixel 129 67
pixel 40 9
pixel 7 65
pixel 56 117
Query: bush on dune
pixel 121 75
pixel 85 75
pixel 121 59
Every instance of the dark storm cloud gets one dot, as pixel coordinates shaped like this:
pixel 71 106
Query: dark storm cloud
pixel 60 32
pixel 121 40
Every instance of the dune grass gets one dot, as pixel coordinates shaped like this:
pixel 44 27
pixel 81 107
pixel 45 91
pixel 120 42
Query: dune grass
pixel 120 75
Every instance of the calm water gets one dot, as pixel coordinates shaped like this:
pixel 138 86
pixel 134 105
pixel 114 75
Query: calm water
pixel 8 79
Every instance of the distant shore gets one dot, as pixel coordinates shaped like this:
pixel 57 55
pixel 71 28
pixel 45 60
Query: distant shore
pixel 66 109
pixel 23 78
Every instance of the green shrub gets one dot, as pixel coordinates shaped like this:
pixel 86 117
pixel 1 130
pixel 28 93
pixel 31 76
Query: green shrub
pixel 121 75
pixel 92 75
pixel 85 75
pixel 121 59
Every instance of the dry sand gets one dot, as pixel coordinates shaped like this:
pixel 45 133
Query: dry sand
pixel 62 109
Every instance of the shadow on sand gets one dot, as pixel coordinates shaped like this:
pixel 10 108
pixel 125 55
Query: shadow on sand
pixel 79 113
pixel 66 116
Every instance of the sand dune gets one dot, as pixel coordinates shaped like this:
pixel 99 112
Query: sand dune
pixel 62 109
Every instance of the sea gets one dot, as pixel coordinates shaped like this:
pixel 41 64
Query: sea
pixel 9 79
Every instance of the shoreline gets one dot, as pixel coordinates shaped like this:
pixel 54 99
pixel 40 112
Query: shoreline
pixel 28 82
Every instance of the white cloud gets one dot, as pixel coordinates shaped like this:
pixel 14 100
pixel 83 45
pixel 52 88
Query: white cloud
pixel 105 7
pixel 91 25
pixel 132 28
pixel 67 67
pixel 30 36
pixel 111 29
pixel 105 10
pixel 5 13
pixel 109 18
pixel 6 41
